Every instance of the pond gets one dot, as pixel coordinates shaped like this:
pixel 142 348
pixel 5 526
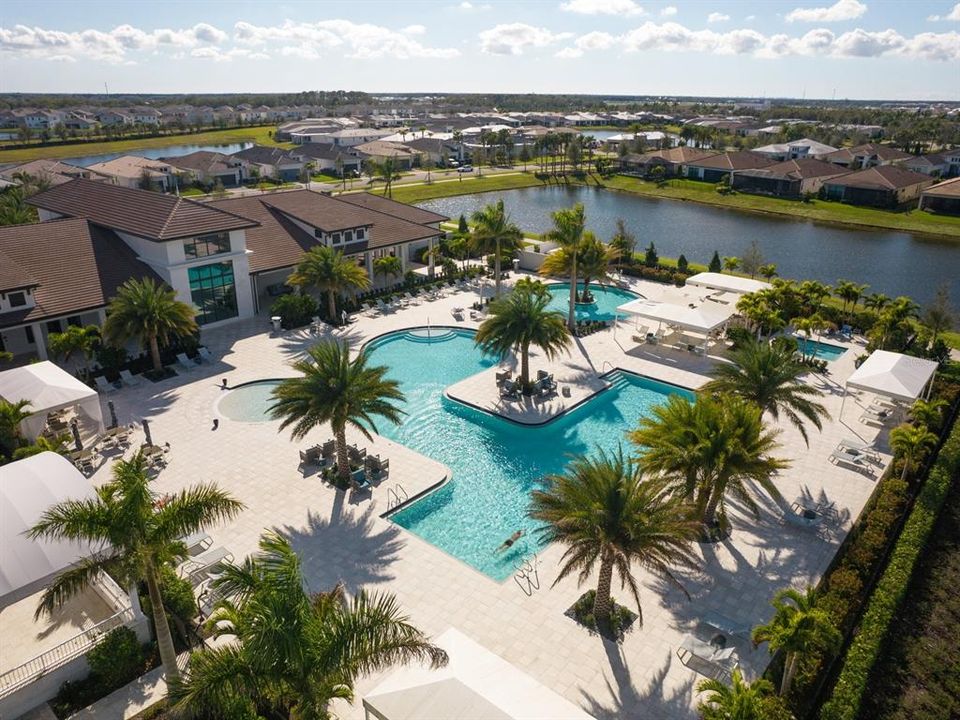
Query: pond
pixel 158 152
pixel 890 262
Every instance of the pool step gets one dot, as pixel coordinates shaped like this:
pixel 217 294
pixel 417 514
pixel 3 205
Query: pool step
pixel 436 335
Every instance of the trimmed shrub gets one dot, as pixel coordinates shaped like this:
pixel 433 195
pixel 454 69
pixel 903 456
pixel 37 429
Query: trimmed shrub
pixel 116 659
pixel 850 689
pixel 294 310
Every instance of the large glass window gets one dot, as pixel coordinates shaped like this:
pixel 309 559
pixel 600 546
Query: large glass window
pixel 206 245
pixel 213 291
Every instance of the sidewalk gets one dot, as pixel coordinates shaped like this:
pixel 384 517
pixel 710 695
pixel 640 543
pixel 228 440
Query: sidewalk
pixel 137 696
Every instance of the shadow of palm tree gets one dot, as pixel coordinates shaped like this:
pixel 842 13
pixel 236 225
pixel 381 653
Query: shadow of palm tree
pixel 346 547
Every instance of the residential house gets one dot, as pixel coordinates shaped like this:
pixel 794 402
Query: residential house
pixel 435 150
pixel 112 118
pixel 271 162
pixel 796 150
pixel 866 156
pixel 942 198
pixel 53 172
pixel 132 171
pixel 716 167
pixel 402 156
pixel 670 160
pixel 887 186
pixel 80 120
pixel 329 158
pixel 351 137
pixel 145 115
pixel 206 168
pixel 788 179
pixel 944 164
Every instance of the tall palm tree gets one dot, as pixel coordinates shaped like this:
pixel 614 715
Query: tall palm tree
pixel 607 514
pixel 75 339
pixel 876 301
pixel 567 232
pixel 519 320
pixel 798 627
pixel 292 652
pixel 138 535
pixel 739 700
pixel 388 266
pixel 709 449
pixel 594 260
pixel 938 317
pixel 494 232
pixel 850 293
pixel 329 271
pixel 14 209
pixel 768 376
pixel 928 413
pixel 149 312
pixel 911 443
pixel 337 390
pixel 386 171
pixel 11 415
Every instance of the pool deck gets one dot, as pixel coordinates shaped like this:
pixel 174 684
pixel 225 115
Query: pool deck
pixel 344 538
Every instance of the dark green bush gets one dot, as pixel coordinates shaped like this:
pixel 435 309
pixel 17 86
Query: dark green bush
pixel 179 602
pixel 295 310
pixel 116 659
pixel 739 336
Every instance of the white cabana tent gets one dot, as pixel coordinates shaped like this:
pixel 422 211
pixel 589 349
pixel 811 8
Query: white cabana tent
pixel 703 319
pixel 49 388
pixel 28 487
pixel 893 375
pixel 475 685
pixel 726 283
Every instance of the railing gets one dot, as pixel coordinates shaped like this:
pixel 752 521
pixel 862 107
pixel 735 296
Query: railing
pixel 396 496
pixel 60 655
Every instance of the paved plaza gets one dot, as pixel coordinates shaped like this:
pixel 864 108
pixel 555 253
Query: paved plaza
pixel 345 538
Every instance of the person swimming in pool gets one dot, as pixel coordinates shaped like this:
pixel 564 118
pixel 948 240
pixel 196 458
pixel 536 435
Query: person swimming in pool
pixel 510 541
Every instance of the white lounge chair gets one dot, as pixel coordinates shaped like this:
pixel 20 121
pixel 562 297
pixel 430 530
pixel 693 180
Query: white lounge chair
pixel 127 379
pixel 841 456
pixel 867 449
pixel 205 354
pixel 103 385
pixel 725 625
pixel 198 568
pixel 877 414
pixel 706 659
pixel 197 541
pixel 185 362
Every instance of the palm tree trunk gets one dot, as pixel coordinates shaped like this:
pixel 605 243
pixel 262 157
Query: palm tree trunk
pixel 496 270
pixel 155 353
pixel 710 511
pixel 343 458
pixel 525 365
pixel 168 654
pixel 602 604
pixel 572 319
pixel 789 670
pixel 332 306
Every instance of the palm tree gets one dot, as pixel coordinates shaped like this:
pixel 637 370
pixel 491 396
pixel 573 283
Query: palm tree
pixel 387 172
pixel 329 271
pixel 14 209
pixel 337 390
pixel 768 271
pixel 738 701
pixel 519 320
pixel 388 266
pixel 594 260
pixel 768 376
pixel 849 292
pixel 928 413
pixel 138 536
pixel 731 264
pixel 911 443
pixel 11 415
pixel 709 449
pixel 494 232
pixel 876 301
pixel 798 627
pixel 567 232
pixel 149 312
pixel 603 510
pixel 939 316
pixel 292 652
pixel 75 339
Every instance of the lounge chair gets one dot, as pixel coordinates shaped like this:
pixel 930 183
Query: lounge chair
pixel 185 362
pixel 509 390
pixel 197 542
pixel 843 456
pixel 707 659
pixel 411 299
pixel 103 385
pixel 867 449
pixel 725 625
pixel 382 306
pixel 877 413
pixel 127 379
pixel 199 567
pixel 310 457
pixel 503 376
pixel 358 478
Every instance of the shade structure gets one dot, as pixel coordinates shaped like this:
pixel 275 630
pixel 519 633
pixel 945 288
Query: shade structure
pixel 894 375
pixel 475 685
pixel 48 388
pixel 28 487
pixel 702 319
pixel 726 283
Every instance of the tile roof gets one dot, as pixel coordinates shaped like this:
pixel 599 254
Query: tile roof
pixel 317 210
pixel 884 152
pixel 410 213
pixel 797 169
pixel 739 160
pixel 948 188
pixel 142 213
pixel 131 166
pixel 99 262
pixel 265 155
pixel 54 171
pixel 883 177
pixel 202 161
pixel 677 155
pixel 323 151
pixel 381 148
pixel 12 275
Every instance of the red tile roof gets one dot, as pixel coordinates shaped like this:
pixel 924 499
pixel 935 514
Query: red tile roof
pixel 410 213
pixel 883 177
pixel 739 160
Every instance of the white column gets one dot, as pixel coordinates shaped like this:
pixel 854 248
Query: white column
pixel 40 341
pixel 402 249
pixel 368 259
pixel 431 265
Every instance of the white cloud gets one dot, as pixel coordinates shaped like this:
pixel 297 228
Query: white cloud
pixel 62 58
pixel 469 7
pixel 413 30
pixel 569 53
pixel 750 18
pixel 602 7
pixel 668 11
pixel 716 17
pixel 595 41
pixel 838 12
pixel 954 15
pixel 514 38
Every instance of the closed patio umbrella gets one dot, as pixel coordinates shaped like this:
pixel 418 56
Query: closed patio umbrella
pixel 113 414
pixel 76 435
pixel 146 431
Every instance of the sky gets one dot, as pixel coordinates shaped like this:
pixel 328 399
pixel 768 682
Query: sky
pixel 857 49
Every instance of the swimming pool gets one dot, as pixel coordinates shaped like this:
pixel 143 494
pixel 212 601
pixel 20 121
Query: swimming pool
pixel 248 402
pixel 606 300
pixel 495 463
pixel 821 350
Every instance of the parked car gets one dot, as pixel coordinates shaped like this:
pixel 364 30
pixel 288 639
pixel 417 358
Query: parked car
pixel 465 168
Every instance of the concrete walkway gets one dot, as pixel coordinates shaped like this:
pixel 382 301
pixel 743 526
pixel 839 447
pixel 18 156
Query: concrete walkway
pixel 133 698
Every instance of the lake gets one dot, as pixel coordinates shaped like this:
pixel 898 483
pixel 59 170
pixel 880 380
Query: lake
pixel 893 263
pixel 155 153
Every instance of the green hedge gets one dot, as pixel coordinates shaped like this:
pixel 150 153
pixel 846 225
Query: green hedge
pixel 845 701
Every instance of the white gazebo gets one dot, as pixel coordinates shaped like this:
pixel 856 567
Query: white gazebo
pixel 48 388
pixel 893 375
pixel 727 283
pixel 700 319
pixel 475 685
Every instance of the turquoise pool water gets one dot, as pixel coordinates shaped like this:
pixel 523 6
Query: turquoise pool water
pixel 495 463
pixel 606 300
pixel 248 402
pixel 821 350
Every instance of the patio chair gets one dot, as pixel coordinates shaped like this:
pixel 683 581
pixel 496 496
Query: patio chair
pixel 547 379
pixel 877 414
pixel 358 478
pixel 724 624
pixel 503 376
pixel 509 390
pixel 356 454
pixel 328 450
pixel 544 388
pixel 382 306
pixel 185 362
pixel 707 659
pixel 800 516
pixel 103 385
pixel 197 542
pixel 866 449
pixel 376 468
pixel 311 456
pixel 205 354
pixel 841 456
pixel 127 379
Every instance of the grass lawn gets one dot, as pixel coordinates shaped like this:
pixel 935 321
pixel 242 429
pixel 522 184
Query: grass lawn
pixel 952 339
pixel 448 188
pixel 819 210
pixel 259 135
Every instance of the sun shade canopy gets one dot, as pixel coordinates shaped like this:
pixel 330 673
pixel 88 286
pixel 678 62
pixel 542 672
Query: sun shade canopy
pixel 727 283
pixel 893 375
pixel 47 388
pixel 29 487
pixel 704 319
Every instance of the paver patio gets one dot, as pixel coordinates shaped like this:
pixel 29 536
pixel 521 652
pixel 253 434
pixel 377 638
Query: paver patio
pixel 344 538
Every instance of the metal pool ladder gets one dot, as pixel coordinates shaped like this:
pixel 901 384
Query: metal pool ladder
pixel 396 496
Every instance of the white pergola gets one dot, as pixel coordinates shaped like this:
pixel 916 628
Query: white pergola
pixel 702 319
pixel 48 388
pixel 727 283
pixel 893 375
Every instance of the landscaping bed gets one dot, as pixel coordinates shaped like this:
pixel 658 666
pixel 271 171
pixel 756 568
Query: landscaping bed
pixel 621 618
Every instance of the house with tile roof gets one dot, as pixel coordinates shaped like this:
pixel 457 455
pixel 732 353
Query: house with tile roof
pixel 715 168
pixel 207 168
pixel 271 162
pixel 787 179
pixel 670 160
pixel 132 171
pixel 53 172
pixel 886 186
pixel 796 150
pixel 866 156
pixel 942 198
